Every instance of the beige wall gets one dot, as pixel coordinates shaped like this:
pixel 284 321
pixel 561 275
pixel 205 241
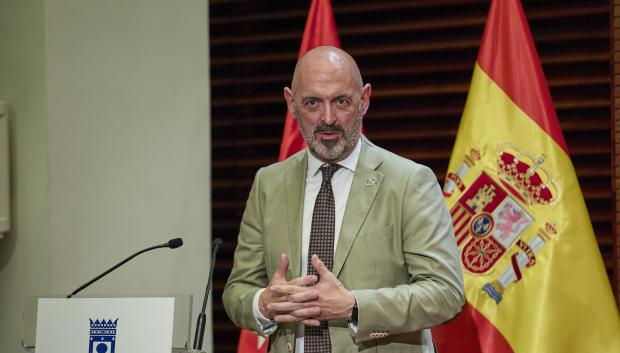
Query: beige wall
pixel 24 252
pixel 110 148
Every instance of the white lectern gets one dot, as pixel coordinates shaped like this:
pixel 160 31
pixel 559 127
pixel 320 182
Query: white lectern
pixel 108 325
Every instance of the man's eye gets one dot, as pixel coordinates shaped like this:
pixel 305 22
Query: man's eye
pixel 311 102
pixel 342 102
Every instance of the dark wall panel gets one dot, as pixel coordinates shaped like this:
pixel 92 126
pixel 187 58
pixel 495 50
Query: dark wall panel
pixel 419 57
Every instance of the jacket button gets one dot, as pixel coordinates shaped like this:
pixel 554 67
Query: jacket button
pixel 289 347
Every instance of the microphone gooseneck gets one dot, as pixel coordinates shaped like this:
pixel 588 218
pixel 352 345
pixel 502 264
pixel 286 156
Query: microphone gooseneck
pixel 172 244
pixel 202 317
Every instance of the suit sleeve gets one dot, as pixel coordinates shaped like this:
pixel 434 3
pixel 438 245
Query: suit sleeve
pixel 434 293
pixel 248 274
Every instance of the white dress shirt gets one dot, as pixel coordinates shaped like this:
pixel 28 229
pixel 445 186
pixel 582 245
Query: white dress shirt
pixel 341 185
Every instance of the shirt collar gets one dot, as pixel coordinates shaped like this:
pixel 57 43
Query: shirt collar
pixel 314 164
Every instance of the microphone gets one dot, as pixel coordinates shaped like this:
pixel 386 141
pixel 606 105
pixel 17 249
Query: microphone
pixel 175 243
pixel 172 244
pixel 202 317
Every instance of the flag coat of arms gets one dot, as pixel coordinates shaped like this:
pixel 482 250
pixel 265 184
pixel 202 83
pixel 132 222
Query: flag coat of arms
pixel 534 277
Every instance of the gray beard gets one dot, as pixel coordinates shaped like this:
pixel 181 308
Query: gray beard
pixel 330 150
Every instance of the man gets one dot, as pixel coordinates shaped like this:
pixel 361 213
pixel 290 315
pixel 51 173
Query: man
pixel 344 246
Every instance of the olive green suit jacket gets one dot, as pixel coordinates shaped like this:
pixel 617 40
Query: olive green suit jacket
pixel 396 250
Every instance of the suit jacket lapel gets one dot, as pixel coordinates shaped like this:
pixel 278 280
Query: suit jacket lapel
pixel 366 183
pixel 294 183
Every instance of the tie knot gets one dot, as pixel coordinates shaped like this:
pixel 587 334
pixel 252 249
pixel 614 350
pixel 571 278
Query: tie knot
pixel 328 171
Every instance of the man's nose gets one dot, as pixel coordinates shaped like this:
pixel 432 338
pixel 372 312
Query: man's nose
pixel 329 115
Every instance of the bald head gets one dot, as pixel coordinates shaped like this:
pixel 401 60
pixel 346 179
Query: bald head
pixel 327 59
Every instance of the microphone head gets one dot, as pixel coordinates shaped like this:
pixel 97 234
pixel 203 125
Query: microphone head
pixel 175 243
pixel 217 242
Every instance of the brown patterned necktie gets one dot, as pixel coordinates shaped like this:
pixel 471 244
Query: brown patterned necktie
pixel 316 339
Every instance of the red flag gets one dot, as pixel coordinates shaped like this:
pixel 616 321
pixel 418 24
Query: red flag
pixel 320 30
pixel 249 342
pixel 528 251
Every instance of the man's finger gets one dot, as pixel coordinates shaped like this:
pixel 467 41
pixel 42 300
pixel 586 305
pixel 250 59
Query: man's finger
pixel 311 322
pixel 310 312
pixel 299 316
pixel 283 307
pixel 287 306
pixel 319 266
pixel 304 281
pixel 303 296
pixel 278 298
pixel 286 318
pixel 282 267
pixel 285 289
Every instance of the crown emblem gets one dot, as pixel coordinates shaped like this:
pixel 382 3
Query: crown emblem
pixel 474 155
pixel 525 174
pixel 551 228
pixel 98 325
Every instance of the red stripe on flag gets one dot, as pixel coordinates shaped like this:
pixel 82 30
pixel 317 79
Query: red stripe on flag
pixel 249 342
pixel 465 223
pixel 470 332
pixel 458 216
pixel 454 210
pixel 461 234
pixel 508 56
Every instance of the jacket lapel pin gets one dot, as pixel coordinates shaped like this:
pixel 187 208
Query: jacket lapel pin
pixel 371 181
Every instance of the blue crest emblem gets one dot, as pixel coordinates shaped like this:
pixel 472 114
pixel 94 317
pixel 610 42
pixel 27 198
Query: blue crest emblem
pixel 102 336
pixel 482 225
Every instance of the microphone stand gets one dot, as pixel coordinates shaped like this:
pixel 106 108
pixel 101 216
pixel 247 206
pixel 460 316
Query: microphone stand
pixel 173 243
pixel 202 317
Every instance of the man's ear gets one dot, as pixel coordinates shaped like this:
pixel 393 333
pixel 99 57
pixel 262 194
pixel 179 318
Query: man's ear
pixel 365 100
pixel 290 103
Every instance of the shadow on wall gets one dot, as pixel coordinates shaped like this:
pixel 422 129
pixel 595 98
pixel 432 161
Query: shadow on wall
pixel 7 243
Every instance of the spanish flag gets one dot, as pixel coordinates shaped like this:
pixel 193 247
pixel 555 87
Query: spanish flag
pixel 534 277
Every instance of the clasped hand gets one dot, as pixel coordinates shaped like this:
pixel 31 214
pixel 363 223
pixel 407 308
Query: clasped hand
pixel 304 299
